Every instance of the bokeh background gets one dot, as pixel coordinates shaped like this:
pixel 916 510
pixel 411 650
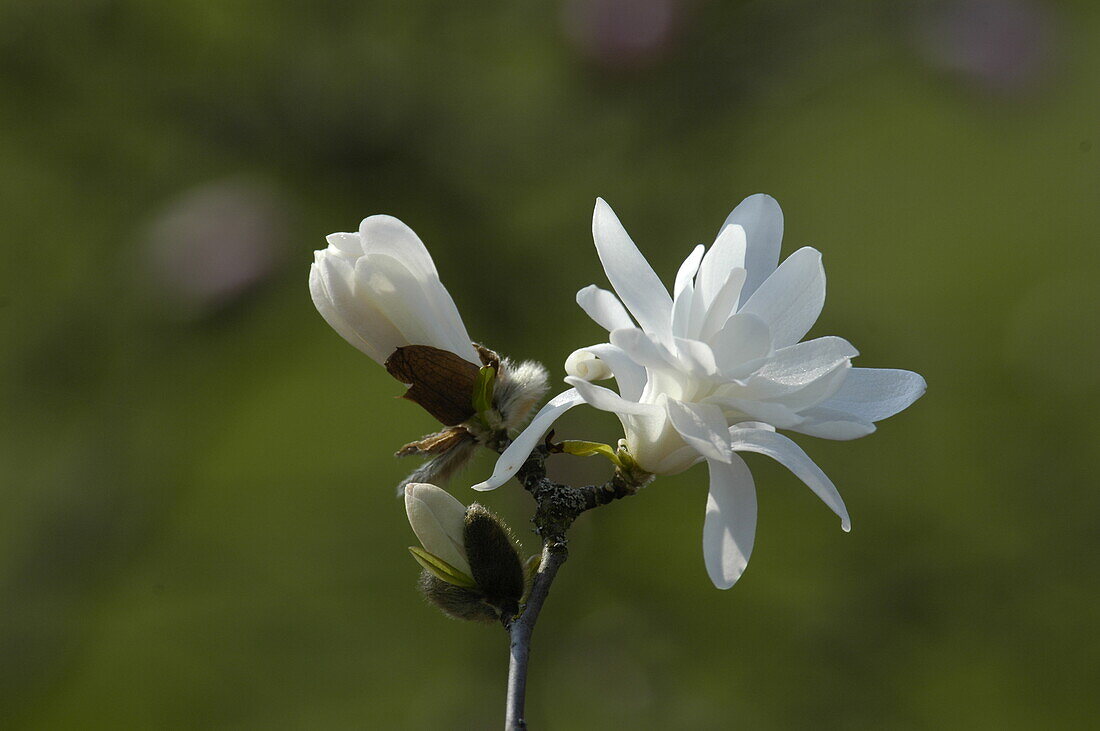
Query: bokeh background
pixel 198 526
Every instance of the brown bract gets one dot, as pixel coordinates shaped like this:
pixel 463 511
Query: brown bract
pixel 437 443
pixel 440 381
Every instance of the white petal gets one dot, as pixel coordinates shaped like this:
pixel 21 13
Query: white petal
pixel 387 284
pixel 603 307
pixel 347 244
pixel 696 357
pixel 642 350
pixel 584 364
pixel 725 254
pixel 703 427
pixel 686 273
pixel 520 449
pixel 723 305
pixel 438 520
pixel 324 303
pixel 769 412
pixel 791 298
pixel 630 274
pixel 678 461
pixel 791 456
pixel 388 235
pixel 375 334
pixel 422 311
pixel 873 394
pixel 762 219
pixel 630 376
pixel 744 338
pixel 605 399
pixel 730 527
pixel 814 393
pixel 830 424
pixel 802 363
pixel 683 307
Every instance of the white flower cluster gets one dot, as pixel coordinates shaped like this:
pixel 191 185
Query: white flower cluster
pixel 713 369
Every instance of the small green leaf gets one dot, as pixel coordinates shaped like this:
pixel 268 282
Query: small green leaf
pixel 588 449
pixel 483 389
pixel 440 569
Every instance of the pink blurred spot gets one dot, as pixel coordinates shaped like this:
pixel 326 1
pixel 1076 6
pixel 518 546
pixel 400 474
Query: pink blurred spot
pixel 1001 45
pixel 623 33
pixel 214 244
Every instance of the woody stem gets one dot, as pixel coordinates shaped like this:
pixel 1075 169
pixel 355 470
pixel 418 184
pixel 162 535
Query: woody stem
pixel 553 556
pixel 557 506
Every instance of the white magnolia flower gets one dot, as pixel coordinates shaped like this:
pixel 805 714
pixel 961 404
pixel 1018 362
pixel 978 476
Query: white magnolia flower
pixel 715 368
pixel 438 520
pixel 380 290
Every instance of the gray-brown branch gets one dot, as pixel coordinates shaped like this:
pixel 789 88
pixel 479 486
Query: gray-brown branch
pixel 557 506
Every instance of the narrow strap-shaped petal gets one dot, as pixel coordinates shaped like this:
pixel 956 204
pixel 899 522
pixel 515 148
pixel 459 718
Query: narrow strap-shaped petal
pixel 827 423
pixel 683 306
pixel 630 274
pixel 722 306
pixel 637 344
pixel 873 394
pixel 792 297
pixel 696 357
pixel 769 412
pixel 799 364
pixel 604 308
pixel 703 427
pixel 605 399
pixel 725 254
pixel 791 456
pixel 816 392
pixel 520 449
pixel 628 375
pixel 686 273
pixel 762 219
pixel 688 313
pixel 729 530
pixel 678 460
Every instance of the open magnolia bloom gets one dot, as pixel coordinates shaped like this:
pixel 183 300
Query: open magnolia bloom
pixel 718 366
pixel 380 290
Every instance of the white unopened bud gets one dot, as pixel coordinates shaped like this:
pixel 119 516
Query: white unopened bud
pixel 584 364
pixel 438 520
pixel 380 290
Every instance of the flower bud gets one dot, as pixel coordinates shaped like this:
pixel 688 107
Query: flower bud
pixel 586 365
pixel 438 520
pixel 380 290
pixel 457 602
pixel 494 560
pixel 472 568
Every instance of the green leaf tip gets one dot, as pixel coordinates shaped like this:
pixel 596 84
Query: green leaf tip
pixel 588 449
pixel 440 569
pixel 483 389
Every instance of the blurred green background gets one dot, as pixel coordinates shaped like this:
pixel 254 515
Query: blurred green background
pixel 198 526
